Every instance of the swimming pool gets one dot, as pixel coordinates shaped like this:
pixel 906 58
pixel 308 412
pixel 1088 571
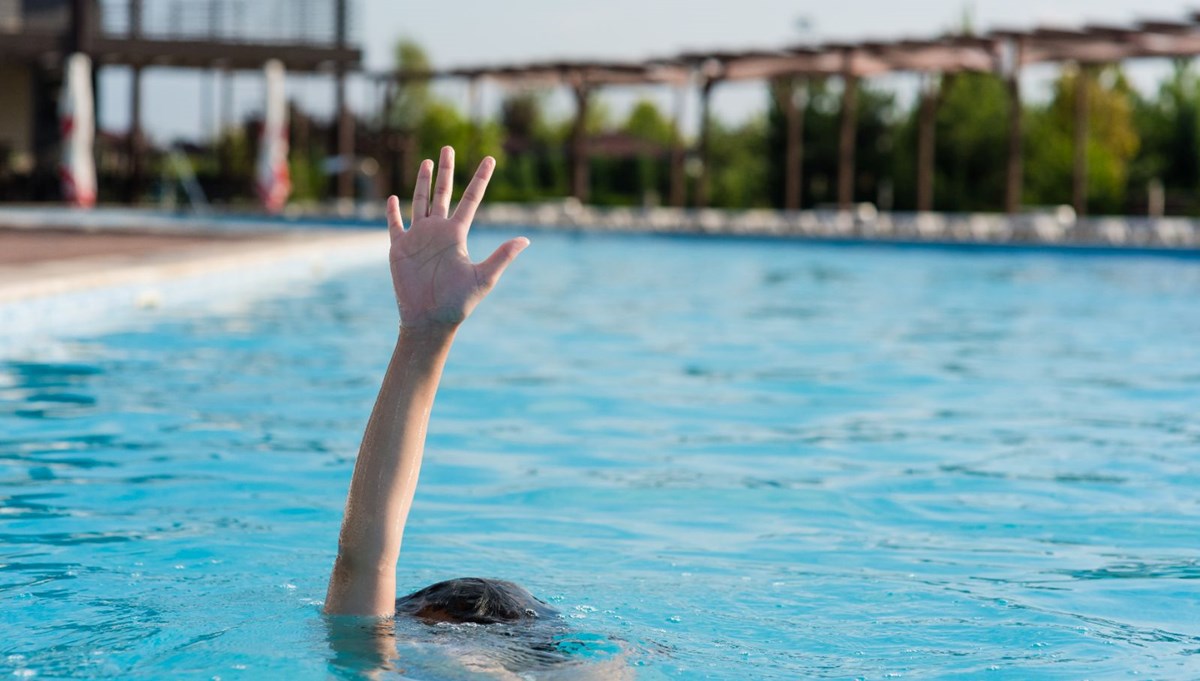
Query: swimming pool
pixel 733 459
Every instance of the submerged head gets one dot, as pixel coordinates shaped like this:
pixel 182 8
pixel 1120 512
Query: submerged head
pixel 474 600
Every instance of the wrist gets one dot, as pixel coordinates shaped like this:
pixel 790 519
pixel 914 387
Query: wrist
pixel 428 333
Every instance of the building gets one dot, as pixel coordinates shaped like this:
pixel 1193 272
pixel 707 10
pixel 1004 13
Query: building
pixel 220 35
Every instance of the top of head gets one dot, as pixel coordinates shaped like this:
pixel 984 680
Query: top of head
pixel 475 600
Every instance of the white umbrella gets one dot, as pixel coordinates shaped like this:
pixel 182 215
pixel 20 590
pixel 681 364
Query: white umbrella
pixel 272 180
pixel 77 124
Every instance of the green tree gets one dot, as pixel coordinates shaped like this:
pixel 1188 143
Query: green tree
pixel 441 124
pixel 1112 141
pixel 1169 127
pixel 536 163
pixel 874 132
pixel 411 96
pixel 739 164
pixel 970 143
pixel 646 122
pixel 657 135
pixel 429 122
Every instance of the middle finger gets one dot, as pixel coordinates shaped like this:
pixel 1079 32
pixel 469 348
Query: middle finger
pixel 440 206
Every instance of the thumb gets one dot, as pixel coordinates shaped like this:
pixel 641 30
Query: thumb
pixel 491 269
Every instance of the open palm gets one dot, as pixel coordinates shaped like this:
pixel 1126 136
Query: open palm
pixel 434 278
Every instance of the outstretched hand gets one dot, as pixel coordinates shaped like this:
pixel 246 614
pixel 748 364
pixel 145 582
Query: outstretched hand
pixel 435 281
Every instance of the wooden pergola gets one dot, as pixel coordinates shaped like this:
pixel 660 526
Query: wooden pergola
pixel 1003 52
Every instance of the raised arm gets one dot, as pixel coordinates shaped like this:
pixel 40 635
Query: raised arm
pixel 436 287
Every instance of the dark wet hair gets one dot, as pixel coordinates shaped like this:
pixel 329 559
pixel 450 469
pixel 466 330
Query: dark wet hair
pixel 474 600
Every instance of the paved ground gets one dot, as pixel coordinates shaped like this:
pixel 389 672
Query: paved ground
pixel 44 262
pixel 57 282
pixel 29 246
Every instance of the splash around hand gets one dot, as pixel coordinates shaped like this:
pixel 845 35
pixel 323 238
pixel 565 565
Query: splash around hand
pixel 436 284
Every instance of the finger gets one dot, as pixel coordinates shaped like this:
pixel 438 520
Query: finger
pixel 440 206
pixel 420 206
pixel 490 270
pixel 394 221
pixel 473 196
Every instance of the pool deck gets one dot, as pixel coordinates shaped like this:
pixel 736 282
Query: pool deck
pixel 21 248
pixel 58 282
pixel 54 261
pixel 67 273
pixel 1048 228
pixel 1039 228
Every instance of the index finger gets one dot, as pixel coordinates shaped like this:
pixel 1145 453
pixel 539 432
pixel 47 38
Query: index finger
pixel 473 195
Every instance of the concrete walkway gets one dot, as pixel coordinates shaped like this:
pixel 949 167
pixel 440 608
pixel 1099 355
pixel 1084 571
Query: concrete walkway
pixel 58 283
pixel 19 247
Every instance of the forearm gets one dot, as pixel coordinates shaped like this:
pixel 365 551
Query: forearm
pixel 385 475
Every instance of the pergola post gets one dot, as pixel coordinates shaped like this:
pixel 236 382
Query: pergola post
pixel 345 139
pixel 678 196
pixel 847 132
pixel 926 130
pixel 793 115
pixel 702 182
pixel 475 118
pixel 387 165
pixel 83 19
pixel 134 143
pixel 1079 177
pixel 1013 176
pixel 345 122
pixel 579 155
pixel 133 147
pixel 402 143
pixel 135 19
pixel 226 100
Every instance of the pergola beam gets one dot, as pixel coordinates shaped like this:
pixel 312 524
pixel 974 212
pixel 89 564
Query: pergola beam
pixel 202 54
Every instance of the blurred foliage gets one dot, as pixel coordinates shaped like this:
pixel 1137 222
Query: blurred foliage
pixel 970 146
pixel 739 164
pixel 434 122
pixel 646 122
pixel 1112 141
pixel 822 103
pixel 409 102
pixel 1169 127
pixel 1133 140
pixel 307 178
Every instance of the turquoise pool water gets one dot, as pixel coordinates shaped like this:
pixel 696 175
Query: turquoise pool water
pixel 724 459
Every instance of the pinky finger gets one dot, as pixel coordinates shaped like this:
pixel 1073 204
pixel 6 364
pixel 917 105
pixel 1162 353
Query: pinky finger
pixel 395 223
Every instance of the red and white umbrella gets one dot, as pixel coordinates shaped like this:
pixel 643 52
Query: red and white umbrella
pixel 77 124
pixel 272 181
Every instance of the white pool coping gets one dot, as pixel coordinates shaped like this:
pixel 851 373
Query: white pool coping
pixel 43 305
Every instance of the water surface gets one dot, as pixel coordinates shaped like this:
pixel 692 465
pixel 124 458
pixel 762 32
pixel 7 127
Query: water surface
pixel 727 459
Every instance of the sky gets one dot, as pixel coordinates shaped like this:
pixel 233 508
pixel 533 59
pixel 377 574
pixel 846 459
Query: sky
pixel 183 104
